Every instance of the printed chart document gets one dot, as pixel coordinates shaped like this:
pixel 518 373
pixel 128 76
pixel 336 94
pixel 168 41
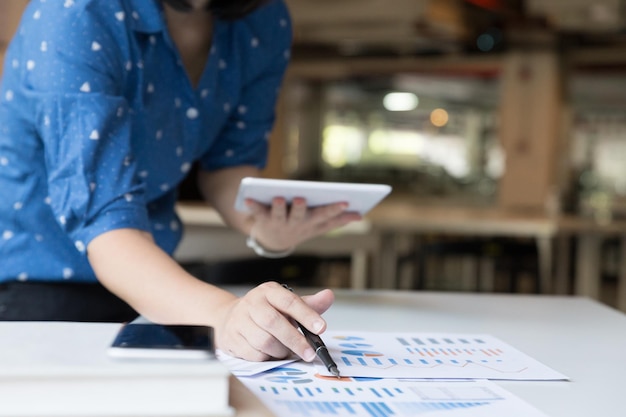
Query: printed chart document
pixel 298 390
pixel 431 355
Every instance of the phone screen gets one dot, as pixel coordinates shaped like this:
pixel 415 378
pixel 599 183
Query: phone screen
pixel 157 340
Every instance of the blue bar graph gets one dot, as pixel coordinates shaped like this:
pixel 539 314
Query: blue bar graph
pixel 368 389
pixel 427 355
pixel 373 409
pixel 414 408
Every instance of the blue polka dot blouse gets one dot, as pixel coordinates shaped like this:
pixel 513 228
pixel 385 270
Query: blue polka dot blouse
pixel 99 123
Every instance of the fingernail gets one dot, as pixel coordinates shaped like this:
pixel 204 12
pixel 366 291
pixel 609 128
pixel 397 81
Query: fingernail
pixel 317 326
pixel 308 355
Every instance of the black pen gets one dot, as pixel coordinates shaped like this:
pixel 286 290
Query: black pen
pixel 318 345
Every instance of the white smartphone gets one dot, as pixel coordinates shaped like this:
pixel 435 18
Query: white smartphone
pixel 157 341
pixel 360 197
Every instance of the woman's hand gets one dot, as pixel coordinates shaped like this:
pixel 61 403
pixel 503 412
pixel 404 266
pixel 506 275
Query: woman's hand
pixel 279 227
pixel 259 326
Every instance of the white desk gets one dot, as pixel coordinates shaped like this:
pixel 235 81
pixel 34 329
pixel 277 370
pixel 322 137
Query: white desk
pixel 576 336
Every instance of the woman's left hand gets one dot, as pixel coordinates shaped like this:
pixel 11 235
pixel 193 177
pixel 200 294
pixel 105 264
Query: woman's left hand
pixel 280 227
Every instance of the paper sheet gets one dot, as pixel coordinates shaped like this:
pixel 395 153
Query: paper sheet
pixel 431 355
pixel 240 367
pixel 298 390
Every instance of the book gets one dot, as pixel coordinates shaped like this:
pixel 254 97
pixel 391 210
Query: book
pixel 63 369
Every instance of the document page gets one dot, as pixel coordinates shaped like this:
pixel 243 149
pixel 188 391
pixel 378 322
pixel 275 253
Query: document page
pixel 298 390
pixel 241 367
pixel 431 355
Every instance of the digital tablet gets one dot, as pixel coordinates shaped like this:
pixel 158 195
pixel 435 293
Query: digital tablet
pixel 157 341
pixel 360 197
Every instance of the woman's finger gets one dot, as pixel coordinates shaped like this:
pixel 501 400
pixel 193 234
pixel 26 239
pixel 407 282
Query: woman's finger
pixel 278 212
pixel 299 211
pixel 271 314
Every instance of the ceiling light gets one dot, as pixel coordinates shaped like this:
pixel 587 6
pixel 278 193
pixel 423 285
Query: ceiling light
pixel 399 101
pixel 439 117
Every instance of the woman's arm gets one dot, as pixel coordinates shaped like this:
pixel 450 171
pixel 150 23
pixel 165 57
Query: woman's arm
pixel 219 189
pixel 254 327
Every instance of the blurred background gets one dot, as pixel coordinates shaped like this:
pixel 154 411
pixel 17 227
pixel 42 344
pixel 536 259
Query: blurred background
pixel 509 109
pixel 461 99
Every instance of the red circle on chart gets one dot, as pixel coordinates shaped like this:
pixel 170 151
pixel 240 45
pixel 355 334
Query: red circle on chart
pixel 346 378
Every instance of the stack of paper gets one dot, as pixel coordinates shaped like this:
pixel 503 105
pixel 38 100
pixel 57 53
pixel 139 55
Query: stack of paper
pixel 405 374
pixel 62 369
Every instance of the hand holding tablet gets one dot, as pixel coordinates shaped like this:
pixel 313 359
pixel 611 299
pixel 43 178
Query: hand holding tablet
pixel 361 198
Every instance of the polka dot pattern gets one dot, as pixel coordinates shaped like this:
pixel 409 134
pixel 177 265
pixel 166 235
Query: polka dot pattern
pixel 114 151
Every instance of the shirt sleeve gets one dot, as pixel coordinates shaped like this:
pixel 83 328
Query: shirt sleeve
pixel 265 41
pixel 72 70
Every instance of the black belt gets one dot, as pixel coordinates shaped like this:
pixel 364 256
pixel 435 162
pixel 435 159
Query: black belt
pixel 61 301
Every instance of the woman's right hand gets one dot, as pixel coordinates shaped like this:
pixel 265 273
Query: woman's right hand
pixel 259 326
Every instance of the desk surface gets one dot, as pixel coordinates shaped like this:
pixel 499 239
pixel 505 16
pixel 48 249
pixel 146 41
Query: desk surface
pixel 576 336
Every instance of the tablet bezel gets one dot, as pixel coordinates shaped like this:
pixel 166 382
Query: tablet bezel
pixel 361 197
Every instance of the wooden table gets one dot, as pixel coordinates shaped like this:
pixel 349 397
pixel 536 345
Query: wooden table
pixel 373 244
pixel 396 218
pixel 207 238
pixel 589 235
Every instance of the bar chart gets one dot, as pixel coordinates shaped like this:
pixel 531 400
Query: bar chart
pixel 299 391
pixel 433 356
pixel 373 409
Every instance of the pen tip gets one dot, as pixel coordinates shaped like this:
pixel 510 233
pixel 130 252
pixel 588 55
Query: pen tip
pixel 333 370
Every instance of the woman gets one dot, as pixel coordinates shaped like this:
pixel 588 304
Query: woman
pixel 105 106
